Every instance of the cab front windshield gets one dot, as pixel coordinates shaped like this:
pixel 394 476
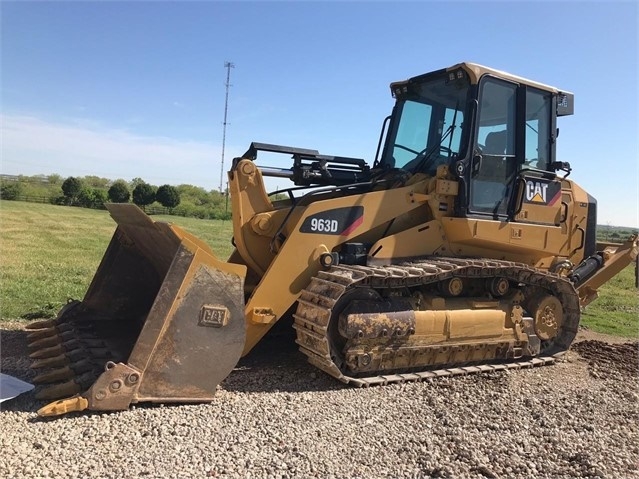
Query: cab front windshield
pixel 427 130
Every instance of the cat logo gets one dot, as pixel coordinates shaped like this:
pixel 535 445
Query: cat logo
pixel 536 191
pixel 541 192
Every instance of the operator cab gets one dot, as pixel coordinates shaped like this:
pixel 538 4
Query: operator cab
pixel 490 128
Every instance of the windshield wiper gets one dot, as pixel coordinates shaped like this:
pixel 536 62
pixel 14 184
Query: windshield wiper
pixel 428 153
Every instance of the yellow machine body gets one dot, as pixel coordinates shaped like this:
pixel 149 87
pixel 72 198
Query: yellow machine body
pixel 388 271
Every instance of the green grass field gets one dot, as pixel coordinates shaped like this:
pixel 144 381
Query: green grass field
pixel 50 253
pixel 616 310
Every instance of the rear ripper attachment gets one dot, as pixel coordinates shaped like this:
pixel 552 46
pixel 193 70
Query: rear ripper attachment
pixel 162 321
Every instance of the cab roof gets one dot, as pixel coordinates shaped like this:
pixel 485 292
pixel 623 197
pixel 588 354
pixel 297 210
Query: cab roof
pixel 475 72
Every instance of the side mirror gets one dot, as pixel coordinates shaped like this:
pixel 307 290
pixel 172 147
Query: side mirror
pixel 561 166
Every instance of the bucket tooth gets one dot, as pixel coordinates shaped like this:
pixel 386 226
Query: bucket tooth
pixel 64 406
pixel 76 343
pixel 67 372
pixel 61 374
pixel 49 352
pixel 41 333
pixel 54 362
pixel 45 342
pixel 70 326
pixel 78 326
pixel 52 336
pixel 73 343
pixel 70 356
pixel 68 388
pixel 69 335
pixel 47 323
pixel 64 348
pixel 79 354
pixel 55 330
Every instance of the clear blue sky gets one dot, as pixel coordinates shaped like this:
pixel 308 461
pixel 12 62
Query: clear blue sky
pixel 136 89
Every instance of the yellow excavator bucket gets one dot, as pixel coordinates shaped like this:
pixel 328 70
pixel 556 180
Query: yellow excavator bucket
pixel 162 321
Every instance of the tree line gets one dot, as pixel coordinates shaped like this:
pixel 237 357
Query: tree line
pixel 93 192
pixel 76 193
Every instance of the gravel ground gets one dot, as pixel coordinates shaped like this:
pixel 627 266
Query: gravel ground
pixel 276 416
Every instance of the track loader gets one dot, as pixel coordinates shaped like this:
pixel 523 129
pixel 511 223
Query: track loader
pixel 462 247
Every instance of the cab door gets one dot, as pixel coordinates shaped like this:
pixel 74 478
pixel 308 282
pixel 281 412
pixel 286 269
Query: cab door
pixel 495 164
pixel 511 177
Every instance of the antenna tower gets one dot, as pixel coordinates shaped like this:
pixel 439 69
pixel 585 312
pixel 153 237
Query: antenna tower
pixel 228 66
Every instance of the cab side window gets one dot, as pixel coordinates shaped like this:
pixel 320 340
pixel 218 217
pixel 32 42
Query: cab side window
pixel 538 129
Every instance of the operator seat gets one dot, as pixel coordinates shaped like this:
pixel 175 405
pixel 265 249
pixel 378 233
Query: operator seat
pixel 493 157
pixel 490 188
pixel 496 143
